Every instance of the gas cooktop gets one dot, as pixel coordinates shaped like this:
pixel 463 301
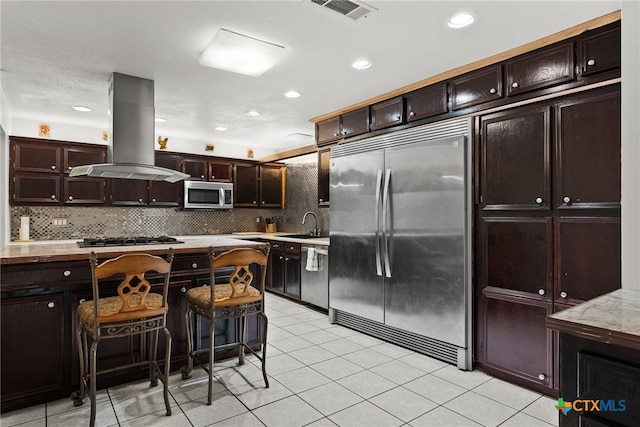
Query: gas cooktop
pixel 127 241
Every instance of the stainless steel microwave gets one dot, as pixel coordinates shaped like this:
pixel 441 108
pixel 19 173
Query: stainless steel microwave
pixel 208 195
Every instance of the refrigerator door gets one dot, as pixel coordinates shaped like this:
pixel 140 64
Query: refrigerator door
pixel 355 276
pixel 425 234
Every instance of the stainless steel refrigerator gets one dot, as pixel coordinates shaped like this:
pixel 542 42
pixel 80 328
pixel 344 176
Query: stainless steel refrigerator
pixel 400 247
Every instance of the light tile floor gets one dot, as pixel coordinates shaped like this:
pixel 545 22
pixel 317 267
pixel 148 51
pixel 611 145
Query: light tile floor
pixel 320 375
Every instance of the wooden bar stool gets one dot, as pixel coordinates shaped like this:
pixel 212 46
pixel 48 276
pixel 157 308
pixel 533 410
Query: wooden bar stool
pixel 243 295
pixel 135 311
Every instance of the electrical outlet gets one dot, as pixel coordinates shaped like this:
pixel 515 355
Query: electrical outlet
pixel 59 221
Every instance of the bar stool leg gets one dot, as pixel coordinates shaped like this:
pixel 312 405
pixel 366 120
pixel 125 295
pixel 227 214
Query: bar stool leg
pixel 188 321
pixel 242 325
pixel 92 385
pixel 211 347
pixel 167 369
pixel 265 323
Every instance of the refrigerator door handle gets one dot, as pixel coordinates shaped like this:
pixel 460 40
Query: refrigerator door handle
pixel 377 234
pixel 385 229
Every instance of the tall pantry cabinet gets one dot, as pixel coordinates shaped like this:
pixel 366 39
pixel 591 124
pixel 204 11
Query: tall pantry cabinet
pixel 548 225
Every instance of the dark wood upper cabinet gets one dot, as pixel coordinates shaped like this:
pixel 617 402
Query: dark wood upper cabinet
pixel 166 194
pixel 328 130
pixel 355 122
pixel 245 185
pixel 220 171
pixel 203 169
pixel 196 167
pixel 587 164
pixel 33 157
pixel 427 102
pixel 128 192
pixel 84 191
pixel 477 87
pixel 85 155
pixel 515 159
pixel 600 50
pixel 540 69
pixel 35 189
pixel 272 185
pixel 388 113
pixel 324 169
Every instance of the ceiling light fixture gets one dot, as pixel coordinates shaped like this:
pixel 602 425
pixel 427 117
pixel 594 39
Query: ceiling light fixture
pixel 241 54
pixel 82 108
pixel 292 94
pixel 220 128
pixel 253 113
pixel 460 20
pixel 361 64
pixel 159 120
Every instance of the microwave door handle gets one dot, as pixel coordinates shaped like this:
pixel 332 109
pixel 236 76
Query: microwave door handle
pixel 221 202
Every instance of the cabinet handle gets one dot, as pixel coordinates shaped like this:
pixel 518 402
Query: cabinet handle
pixel 69 168
pixel 286 259
pixel 201 176
pixel 255 203
pixel 563 294
pixel 53 167
pixel 492 90
pixel 275 245
pixel 399 117
pixel 539 200
pixel 542 377
pixel 67 273
pixel 263 202
pixel 321 200
pixel 183 289
pixel 514 85
pixel 153 200
pixel 213 177
pixel 336 134
pixel 140 200
pixel 567 199
pixel 541 291
pixel 194 265
pixel 82 301
pixel 281 257
pixel 70 197
pixel 344 132
pixel 51 304
pixel 53 197
pixel 411 114
pixel 591 62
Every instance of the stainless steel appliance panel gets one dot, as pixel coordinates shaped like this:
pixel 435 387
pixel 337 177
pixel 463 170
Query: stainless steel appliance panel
pixel 424 232
pixel 314 275
pixel 355 186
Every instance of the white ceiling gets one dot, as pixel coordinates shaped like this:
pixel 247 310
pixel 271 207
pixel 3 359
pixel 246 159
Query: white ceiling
pixel 59 54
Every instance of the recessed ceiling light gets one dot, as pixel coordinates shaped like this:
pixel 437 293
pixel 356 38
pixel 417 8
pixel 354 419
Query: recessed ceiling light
pixel 238 53
pixel 461 20
pixel 292 94
pixel 160 120
pixel 361 64
pixel 253 113
pixel 81 108
pixel 220 128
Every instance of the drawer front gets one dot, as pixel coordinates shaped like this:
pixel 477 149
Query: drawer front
pixel 186 263
pixel 292 248
pixel 45 274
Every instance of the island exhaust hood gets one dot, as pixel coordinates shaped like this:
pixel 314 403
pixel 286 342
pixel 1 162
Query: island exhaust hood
pixel 131 153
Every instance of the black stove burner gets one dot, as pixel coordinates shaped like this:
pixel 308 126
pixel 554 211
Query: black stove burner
pixel 127 241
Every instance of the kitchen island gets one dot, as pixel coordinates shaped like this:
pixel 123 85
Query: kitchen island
pixel 43 283
pixel 600 360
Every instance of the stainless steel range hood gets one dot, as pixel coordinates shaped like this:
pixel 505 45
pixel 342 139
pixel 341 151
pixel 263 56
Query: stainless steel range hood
pixel 131 154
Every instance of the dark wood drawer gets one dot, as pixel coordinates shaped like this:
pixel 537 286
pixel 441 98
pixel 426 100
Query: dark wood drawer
pixel 45 275
pixel 292 248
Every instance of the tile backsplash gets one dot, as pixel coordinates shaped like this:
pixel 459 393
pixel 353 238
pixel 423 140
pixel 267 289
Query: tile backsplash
pixel 68 223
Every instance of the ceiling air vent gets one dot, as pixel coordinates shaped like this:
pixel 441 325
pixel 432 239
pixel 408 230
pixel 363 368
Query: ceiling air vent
pixel 352 9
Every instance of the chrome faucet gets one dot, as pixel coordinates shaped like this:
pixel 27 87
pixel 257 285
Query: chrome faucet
pixel 315 231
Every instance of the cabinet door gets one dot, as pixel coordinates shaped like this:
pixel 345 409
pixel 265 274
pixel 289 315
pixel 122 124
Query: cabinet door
pixel 78 156
pixel 587 167
pixel 600 50
pixel 220 171
pixel 129 192
pixel 37 189
pixel 355 122
pixel 245 185
pixel 272 186
pixel 292 269
pixel 195 167
pixel 32 157
pixel 517 256
pixel 324 162
pixel 517 340
pixel 175 322
pixel 515 159
pixel 475 88
pixel 32 366
pixel 387 113
pixel 542 68
pixel 328 130
pixel 276 259
pixel 166 194
pixel 84 191
pixel 427 102
pixel 588 258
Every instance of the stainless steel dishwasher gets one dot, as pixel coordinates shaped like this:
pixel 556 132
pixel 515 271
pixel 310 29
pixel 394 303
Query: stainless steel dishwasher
pixel 314 278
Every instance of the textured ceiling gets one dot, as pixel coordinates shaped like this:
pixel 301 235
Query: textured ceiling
pixel 59 54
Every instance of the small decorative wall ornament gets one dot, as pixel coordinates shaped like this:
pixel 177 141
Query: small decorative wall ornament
pixel 209 147
pixel 105 135
pixel 163 143
pixel 250 153
pixel 45 130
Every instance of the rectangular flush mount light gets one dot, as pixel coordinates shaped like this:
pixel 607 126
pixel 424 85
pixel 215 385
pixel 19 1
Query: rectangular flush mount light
pixel 240 54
